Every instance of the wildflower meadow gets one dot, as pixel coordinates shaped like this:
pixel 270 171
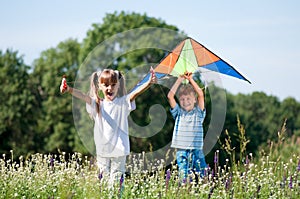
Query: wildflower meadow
pixel 272 174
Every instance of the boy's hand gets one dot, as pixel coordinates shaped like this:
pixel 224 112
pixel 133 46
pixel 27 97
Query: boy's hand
pixel 188 75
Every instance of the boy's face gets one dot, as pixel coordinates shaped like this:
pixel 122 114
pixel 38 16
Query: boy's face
pixel 187 101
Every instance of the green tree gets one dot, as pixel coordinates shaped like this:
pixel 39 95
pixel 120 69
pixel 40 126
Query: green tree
pixel 55 122
pixel 290 109
pixel 261 115
pixel 17 108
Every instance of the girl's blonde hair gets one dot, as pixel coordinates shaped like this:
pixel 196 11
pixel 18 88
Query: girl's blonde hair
pixel 94 90
pixel 109 76
pixel 94 86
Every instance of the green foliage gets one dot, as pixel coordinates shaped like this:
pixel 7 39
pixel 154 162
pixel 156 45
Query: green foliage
pixel 35 117
pixel 284 148
pixel 48 176
pixel 231 149
pixel 290 109
pixel 18 105
pixel 261 115
pixel 273 173
pixel 55 124
pixel 154 136
pixel 76 176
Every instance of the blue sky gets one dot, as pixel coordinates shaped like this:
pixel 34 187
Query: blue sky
pixel 259 38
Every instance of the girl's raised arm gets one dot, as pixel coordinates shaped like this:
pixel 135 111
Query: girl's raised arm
pixel 64 87
pixel 145 86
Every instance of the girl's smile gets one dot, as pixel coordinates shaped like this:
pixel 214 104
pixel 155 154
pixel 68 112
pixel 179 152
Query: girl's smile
pixel 109 90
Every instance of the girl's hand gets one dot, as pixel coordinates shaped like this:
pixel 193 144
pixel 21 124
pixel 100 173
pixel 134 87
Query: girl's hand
pixel 63 86
pixel 153 76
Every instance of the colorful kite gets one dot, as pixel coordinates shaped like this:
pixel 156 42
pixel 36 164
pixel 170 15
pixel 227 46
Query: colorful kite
pixel 189 56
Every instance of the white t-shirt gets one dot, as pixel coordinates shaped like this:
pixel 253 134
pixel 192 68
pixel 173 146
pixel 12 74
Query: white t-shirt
pixel 111 126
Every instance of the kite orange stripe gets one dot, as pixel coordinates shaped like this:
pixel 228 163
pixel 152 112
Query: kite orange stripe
pixel 203 56
pixel 168 63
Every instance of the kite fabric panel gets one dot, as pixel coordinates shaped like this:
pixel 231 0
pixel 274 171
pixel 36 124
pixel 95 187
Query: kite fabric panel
pixel 189 56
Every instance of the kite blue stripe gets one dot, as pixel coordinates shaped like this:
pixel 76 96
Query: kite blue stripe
pixel 224 68
pixel 146 78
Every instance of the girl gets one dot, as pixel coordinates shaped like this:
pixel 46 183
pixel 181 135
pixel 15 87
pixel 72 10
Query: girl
pixel 111 118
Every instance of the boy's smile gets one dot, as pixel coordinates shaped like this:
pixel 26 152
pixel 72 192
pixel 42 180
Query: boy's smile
pixel 187 102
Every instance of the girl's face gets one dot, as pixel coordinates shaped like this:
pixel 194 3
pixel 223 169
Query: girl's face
pixel 109 84
pixel 110 90
pixel 187 102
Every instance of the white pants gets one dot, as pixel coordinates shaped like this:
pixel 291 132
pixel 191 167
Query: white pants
pixel 112 168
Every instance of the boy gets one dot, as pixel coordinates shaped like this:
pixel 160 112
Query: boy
pixel 189 115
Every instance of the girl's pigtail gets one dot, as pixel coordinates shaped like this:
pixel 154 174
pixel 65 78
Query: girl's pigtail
pixel 94 89
pixel 122 88
pixel 94 86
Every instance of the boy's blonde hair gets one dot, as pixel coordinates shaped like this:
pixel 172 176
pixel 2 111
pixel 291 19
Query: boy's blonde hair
pixel 186 89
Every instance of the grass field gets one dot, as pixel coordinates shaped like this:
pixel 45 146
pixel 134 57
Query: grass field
pixel 275 174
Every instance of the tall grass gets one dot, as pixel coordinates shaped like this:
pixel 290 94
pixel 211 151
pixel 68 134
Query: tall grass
pixel 275 174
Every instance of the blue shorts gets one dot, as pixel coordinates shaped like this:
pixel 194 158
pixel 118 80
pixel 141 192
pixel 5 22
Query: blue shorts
pixel 190 160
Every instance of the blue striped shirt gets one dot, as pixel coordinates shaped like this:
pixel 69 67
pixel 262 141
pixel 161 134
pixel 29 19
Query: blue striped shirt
pixel 188 129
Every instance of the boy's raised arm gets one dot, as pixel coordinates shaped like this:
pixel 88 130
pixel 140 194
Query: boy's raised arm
pixel 198 90
pixel 172 92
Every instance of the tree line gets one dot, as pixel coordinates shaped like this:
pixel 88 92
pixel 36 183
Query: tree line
pixel 35 117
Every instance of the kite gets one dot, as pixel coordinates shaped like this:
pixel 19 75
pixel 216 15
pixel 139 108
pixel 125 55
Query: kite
pixel 189 56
